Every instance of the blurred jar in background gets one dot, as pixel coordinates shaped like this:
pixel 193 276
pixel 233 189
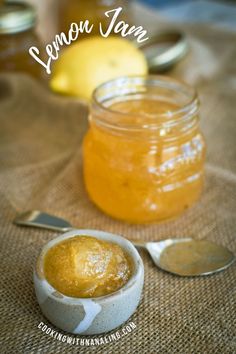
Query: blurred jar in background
pixel 17 35
pixel 92 10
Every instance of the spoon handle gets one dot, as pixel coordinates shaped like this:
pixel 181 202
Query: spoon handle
pixel 139 243
pixel 36 218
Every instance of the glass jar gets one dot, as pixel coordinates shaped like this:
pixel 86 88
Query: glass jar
pixel 17 35
pixel 92 10
pixel 144 152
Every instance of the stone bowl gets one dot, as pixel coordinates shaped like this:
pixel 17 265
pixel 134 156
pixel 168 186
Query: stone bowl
pixel 88 316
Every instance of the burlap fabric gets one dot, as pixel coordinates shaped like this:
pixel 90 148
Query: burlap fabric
pixel 40 154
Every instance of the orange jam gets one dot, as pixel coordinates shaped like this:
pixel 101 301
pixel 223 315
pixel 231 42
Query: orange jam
pixel 144 152
pixel 84 266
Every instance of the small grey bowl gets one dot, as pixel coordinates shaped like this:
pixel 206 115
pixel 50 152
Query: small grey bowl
pixel 95 315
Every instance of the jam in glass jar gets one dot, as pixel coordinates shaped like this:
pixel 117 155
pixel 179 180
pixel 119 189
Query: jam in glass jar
pixel 144 152
pixel 17 35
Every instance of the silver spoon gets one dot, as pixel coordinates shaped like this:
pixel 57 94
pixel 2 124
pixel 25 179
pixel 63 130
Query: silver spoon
pixel 182 256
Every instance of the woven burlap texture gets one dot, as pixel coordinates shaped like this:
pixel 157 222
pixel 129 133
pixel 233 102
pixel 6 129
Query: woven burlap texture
pixel 41 168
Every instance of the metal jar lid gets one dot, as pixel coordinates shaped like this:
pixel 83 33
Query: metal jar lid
pixel 16 17
pixel 164 49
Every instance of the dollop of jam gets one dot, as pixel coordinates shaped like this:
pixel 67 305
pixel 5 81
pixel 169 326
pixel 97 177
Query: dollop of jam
pixel 84 266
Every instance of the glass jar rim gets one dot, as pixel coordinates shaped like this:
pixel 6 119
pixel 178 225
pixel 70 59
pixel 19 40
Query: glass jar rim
pixel 185 112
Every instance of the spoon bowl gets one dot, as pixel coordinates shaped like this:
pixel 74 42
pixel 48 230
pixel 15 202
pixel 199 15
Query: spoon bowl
pixel 188 257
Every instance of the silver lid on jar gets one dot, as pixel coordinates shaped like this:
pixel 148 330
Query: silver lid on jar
pixel 16 17
pixel 164 49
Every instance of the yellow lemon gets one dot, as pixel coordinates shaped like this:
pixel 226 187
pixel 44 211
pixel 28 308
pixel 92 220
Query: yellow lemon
pixel 85 65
